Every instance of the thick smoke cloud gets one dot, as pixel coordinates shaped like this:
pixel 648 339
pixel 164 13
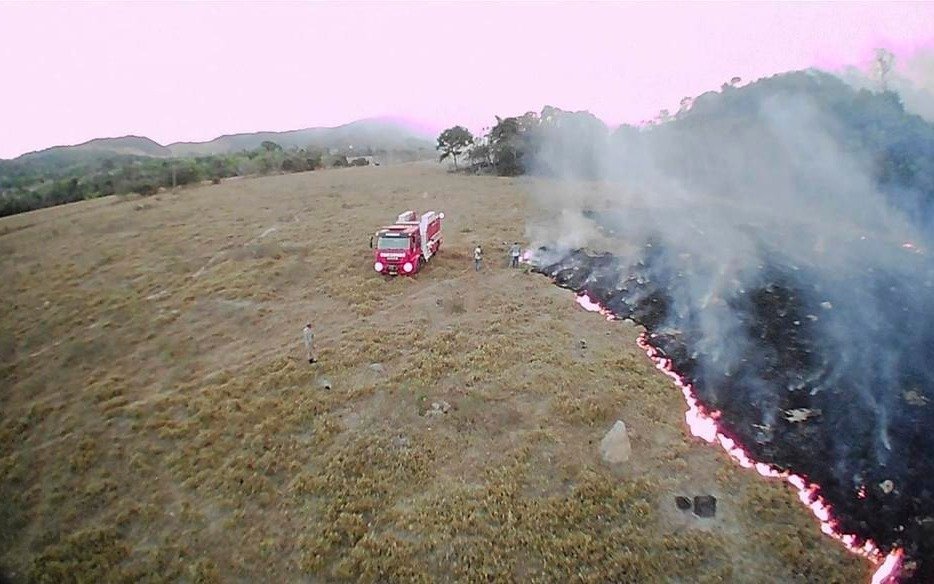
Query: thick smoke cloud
pixel 778 185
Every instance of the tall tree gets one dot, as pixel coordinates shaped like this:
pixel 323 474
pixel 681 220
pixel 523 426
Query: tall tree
pixel 882 63
pixel 453 141
pixel 506 145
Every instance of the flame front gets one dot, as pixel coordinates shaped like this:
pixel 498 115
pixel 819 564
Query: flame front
pixel 703 424
pixel 888 570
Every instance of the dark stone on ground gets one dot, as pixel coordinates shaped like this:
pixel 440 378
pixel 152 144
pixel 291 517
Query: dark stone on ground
pixel 705 505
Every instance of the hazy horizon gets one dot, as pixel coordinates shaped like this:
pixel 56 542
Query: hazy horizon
pixel 185 72
pixel 413 126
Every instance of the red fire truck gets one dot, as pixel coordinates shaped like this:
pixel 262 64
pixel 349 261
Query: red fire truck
pixel 402 248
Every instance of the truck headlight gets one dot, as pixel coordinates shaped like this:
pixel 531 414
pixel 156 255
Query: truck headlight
pixel 378 266
pixel 407 266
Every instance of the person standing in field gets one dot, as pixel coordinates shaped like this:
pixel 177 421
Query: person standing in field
pixel 477 257
pixel 515 251
pixel 308 336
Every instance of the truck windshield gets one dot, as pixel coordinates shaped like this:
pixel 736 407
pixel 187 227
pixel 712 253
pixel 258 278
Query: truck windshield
pixel 393 243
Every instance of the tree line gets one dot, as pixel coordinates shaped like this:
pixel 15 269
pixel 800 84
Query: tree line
pixel 55 178
pixel 713 139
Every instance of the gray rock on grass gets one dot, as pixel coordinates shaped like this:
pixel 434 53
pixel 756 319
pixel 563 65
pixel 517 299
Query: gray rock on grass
pixel 615 447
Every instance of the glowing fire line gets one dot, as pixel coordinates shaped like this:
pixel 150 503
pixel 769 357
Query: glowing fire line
pixel 703 424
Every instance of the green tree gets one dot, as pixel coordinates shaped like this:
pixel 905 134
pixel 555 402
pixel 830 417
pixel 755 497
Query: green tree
pixel 453 141
pixel 509 144
pixel 65 191
pixel 480 154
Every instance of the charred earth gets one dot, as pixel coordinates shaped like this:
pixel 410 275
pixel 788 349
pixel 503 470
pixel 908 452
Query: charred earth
pixel 789 388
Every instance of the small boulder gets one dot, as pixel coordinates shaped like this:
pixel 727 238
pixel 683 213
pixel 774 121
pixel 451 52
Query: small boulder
pixel 324 383
pixel 615 447
pixel 377 368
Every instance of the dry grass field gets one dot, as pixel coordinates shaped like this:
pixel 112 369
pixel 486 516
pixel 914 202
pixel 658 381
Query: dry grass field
pixel 158 422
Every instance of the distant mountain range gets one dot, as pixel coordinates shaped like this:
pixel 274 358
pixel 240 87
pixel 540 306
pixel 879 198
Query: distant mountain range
pixel 377 134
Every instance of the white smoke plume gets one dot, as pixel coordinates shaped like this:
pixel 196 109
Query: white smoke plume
pixel 750 181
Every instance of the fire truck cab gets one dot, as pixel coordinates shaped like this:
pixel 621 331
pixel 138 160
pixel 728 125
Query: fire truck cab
pixel 403 247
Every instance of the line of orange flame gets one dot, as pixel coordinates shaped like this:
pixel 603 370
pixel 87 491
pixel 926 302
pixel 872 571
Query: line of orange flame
pixel 703 424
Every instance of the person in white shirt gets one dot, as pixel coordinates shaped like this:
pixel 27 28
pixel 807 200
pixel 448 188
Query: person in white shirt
pixel 477 257
pixel 515 251
pixel 309 337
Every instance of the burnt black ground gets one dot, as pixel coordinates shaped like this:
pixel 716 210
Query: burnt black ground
pixel 788 364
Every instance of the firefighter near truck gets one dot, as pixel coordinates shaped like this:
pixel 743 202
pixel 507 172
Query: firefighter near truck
pixel 405 246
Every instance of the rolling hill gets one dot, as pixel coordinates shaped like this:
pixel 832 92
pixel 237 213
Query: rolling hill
pixel 124 145
pixel 377 134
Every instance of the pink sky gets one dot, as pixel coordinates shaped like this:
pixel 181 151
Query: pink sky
pixel 193 71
